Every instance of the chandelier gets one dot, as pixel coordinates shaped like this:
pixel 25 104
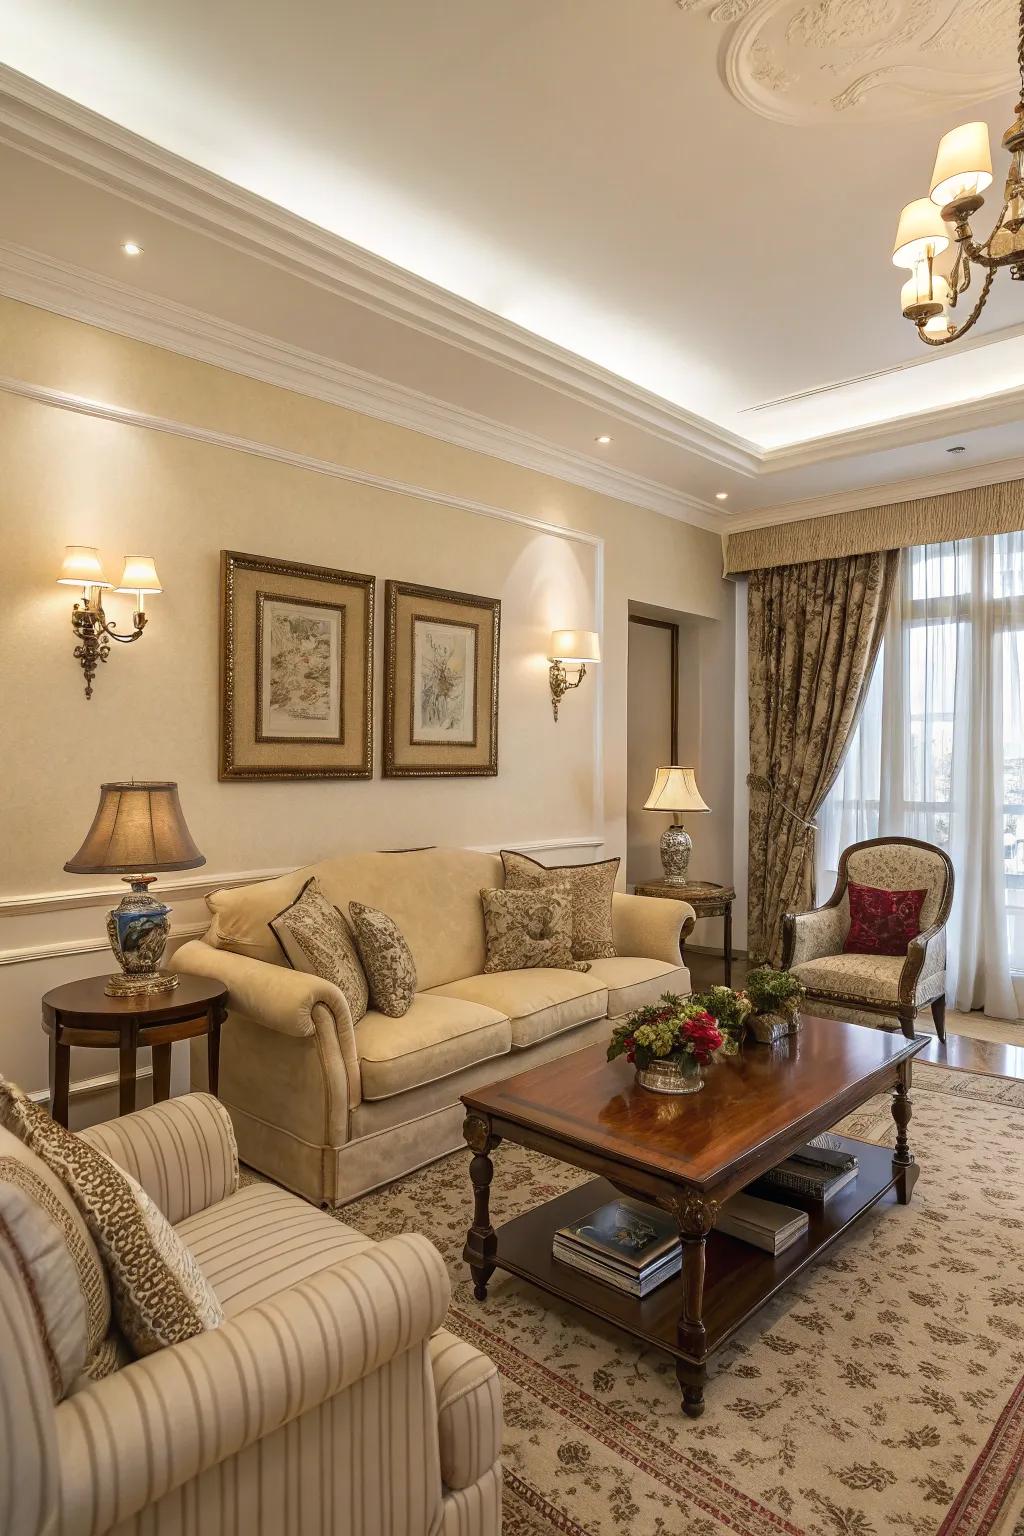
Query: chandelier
pixel 963 171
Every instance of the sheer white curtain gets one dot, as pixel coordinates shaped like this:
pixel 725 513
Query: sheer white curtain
pixel 939 752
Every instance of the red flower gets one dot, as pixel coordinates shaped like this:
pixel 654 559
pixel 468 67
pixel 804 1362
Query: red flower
pixel 703 1035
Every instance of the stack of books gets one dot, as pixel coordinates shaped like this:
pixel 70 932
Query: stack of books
pixel 813 1172
pixel 627 1244
pixel 764 1223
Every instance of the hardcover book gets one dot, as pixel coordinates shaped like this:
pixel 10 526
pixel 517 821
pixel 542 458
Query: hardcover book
pixel 625 1234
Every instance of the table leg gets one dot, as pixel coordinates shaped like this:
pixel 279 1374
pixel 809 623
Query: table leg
pixel 728 944
pixel 126 1068
pixel 903 1159
pixel 161 1073
pixel 60 1077
pixel 695 1215
pixel 481 1239
pixel 213 1049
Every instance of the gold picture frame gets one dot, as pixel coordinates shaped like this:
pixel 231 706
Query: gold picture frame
pixel 441 652
pixel 296 670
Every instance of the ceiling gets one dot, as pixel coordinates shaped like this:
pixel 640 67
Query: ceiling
pixel 523 226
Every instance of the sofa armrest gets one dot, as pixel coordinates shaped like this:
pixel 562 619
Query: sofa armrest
pixel 469 1420
pixel 28 1442
pixel 813 935
pixel 278 998
pixel 129 1439
pixel 183 1152
pixel 650 926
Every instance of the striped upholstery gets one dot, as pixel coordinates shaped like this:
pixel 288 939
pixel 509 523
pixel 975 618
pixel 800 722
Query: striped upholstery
pixel 261 1240
pixel 468 1409
pixel 182 1152
pixel 28 1446
pixel 475 1511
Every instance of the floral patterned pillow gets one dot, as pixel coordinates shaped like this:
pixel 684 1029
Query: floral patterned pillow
pixel 316 940
pixel 882 922
pixel 387 959
pixel 591 887
pixel 524 929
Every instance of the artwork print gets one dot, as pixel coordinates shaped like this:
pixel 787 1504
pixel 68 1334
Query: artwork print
pixel 443 682
pixel 299 670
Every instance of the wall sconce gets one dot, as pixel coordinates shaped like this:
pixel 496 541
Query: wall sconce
pixel 577 647
pixel 82 568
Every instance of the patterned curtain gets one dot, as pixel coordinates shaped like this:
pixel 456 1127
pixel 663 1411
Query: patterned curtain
pixel 813 633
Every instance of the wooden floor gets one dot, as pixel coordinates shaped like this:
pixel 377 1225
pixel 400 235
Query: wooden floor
pixel 958 1052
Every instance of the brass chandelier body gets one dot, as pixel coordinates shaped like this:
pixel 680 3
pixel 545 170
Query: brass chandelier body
pixel 963 171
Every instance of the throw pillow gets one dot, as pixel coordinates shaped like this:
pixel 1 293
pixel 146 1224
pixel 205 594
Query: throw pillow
pixel 387 959
pixel 316 940
pixel 591 886
pixel 160 1294
pixel 57 1261
pixel 882 922
pixel 524 929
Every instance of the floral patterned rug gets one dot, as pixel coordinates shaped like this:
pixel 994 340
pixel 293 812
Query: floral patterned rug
pixel 882 1393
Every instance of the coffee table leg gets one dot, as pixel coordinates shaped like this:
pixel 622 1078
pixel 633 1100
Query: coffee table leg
pixel 903 1158
pixel 481 1239
pixel 695 1215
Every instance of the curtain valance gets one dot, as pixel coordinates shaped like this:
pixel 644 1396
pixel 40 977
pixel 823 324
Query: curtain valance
pixel 965 514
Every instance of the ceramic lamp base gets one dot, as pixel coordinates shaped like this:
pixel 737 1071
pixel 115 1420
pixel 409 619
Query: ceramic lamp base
pixel 676 845
pixel 137 929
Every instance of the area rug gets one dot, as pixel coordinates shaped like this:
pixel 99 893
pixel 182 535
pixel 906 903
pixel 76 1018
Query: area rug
pixel 881 1393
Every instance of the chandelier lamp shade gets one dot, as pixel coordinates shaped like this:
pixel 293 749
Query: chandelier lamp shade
pixel 961 176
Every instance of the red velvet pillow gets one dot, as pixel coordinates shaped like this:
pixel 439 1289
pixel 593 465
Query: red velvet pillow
pixel 882 922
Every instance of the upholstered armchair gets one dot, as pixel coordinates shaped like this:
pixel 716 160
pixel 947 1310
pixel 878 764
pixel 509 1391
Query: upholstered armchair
pixel 886 991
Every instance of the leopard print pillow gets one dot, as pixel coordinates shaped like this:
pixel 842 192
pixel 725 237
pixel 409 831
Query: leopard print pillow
pixel 591 886
pixel 524 929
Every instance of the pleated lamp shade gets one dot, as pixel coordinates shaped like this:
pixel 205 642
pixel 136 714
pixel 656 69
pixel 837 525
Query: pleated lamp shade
pixel 675 789
pixel 137 828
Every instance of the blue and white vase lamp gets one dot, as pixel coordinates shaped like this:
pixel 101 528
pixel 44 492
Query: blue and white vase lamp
pixel 137 827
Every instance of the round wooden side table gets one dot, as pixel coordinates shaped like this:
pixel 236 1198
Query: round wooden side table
pixel 707 900
pixel 80 1013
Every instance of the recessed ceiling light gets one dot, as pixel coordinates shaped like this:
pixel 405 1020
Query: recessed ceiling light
pixel 131 248
pixel 603 439
pixel 721 495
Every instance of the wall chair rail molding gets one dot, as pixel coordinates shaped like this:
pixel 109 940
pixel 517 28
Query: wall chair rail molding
pixel 64 400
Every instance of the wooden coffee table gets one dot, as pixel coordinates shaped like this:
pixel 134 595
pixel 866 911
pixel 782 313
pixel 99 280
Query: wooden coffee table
pixel 688 1154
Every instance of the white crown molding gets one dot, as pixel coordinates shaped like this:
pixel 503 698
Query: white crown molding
pixel 912 489
pixel 33 278
pixel 49 126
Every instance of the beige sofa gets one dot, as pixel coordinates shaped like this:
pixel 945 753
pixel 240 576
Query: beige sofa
pixel 330 1400
pixel 332 1109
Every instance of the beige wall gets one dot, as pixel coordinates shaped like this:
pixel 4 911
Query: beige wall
pixel 72 477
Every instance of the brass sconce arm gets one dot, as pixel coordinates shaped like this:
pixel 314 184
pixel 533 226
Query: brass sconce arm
pixel 94 632
pixel 560 684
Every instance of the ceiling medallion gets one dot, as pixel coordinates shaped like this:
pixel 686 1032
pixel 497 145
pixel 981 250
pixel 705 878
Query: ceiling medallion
pixel 962 175
pixel 801 61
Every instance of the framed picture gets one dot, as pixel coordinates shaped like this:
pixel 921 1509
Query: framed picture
pixel 296 670
pixel 440 682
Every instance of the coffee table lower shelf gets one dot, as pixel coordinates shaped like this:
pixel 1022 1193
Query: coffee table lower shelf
pixel 738 1277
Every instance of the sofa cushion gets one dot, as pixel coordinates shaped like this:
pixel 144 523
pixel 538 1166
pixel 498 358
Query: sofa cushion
pixel 530 928
pixel 632 983
pixel 538 1002
pixel 433 894
pixel 57 1260
pixel 262 1240
pixel 439 1035
pixel 592 886
pixel 317 941
pixel 875 978
pixel 387 959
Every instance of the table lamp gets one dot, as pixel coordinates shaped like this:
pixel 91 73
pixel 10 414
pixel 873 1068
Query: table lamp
pixel 137 827
pixel 675 789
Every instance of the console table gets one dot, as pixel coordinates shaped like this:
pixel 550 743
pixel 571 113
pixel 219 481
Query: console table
pixel 707 900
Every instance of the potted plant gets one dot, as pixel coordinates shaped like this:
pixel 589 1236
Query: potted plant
pixel 775 998
pixel 669 1043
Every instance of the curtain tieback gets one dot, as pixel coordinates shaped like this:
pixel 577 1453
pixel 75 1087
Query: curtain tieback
pixel 767 787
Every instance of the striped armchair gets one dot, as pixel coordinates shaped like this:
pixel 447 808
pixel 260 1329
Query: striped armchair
pixel 331 1399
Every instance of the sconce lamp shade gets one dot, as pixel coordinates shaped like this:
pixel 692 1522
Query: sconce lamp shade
pixel 921 234
pixel 82 567
pixel 963 164
pixel 136 827
pixel 675 789
pixel 574 645
pixel 139 575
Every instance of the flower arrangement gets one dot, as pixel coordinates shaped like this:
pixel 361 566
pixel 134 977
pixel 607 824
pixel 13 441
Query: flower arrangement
pixel 775 998
pixel 730 1011
pixel 674 1029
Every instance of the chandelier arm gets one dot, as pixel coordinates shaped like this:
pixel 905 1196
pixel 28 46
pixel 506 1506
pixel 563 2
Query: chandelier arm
pixel 961 330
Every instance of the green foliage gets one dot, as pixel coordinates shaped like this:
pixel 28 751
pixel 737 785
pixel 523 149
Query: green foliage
pixel 773 991
pixel 674 1028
